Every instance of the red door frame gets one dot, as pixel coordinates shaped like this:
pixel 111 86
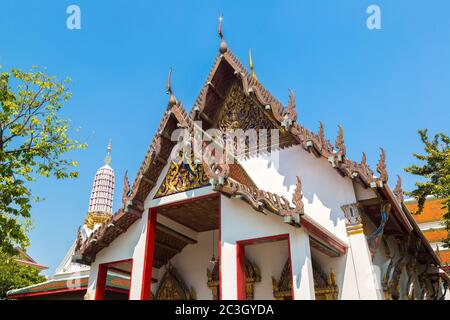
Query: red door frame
pixel 148 255
pixel 240 260
pixel 150 244
pixel 102 275
pixel 220 247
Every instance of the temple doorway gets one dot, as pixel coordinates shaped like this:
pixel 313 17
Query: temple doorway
pixel 114 280
pixel 182 250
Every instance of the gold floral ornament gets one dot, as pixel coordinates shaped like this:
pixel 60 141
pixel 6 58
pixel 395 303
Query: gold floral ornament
pixel 181 177
pixel 94 218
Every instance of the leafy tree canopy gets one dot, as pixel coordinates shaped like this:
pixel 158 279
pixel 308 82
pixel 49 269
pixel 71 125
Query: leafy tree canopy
pixel 435 170
pixel 14 275
pixel 33 141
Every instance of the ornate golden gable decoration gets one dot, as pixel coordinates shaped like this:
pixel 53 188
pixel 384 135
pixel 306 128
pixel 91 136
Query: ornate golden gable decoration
pixel 172 287
pixel 324 285
pixel 182 177
pixel 240 111
pixel 252 275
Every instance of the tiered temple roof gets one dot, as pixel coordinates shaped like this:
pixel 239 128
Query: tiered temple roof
pixel 226 70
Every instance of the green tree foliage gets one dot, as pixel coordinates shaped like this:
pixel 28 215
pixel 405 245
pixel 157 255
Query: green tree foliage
pixel 436 173
pixel 33 143
pixel 14 275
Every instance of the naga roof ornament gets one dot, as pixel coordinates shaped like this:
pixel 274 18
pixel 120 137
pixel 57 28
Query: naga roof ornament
pixel 297 198
pixel 340 142
pixel 223 45
pixel 172 99
pixel 364 161
pixel 291 109
pixel 381 166
pixel 398 191
pixel 126 189
pixel 290 115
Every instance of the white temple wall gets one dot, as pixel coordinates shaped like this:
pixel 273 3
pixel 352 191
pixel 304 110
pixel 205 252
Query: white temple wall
pixel 240 222
pixel 324 190
pixel 129 245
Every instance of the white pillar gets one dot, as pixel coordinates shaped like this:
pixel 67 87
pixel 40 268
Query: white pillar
pixel 92 283
pixel 362 261
pixel 302 272
pixel 229 271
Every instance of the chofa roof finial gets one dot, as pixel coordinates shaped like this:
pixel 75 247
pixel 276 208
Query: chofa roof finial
pixel 291 108
pixel 381 166
pixel 340 142
pixel 297 198
pixel 364 161
pixel 250 62
pixel 398 191
pixel 172 100
pixel 223 46
pixel 126 188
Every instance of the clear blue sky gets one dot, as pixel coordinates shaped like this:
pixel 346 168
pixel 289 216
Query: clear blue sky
pixel 380 85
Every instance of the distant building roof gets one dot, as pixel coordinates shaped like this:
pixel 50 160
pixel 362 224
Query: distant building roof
pixel 25 259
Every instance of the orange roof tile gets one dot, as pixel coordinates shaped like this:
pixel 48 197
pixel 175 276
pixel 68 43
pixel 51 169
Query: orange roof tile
pixel 445 257
pixel 436 235
pixel 432 210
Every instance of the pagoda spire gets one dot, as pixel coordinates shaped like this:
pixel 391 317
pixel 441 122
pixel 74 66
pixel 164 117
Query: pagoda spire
pixel 101 200
pixel 108 153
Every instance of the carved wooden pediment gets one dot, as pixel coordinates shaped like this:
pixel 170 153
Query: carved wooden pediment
pixel 182 177
pixel 252 275
pixel 172 287
pixel 240 111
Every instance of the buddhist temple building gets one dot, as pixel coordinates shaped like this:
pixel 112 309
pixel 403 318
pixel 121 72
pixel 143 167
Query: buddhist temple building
pixel 291 217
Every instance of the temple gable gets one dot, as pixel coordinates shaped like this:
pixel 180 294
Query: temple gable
pixel 239 111
pixel 182 177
